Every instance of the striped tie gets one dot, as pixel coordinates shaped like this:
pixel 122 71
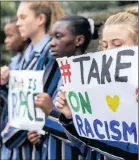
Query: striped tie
pixel 31 64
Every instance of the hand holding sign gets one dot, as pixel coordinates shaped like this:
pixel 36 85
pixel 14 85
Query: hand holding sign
pixel 62 105
pixel 44 101
pixel 34 137
pixel 4 75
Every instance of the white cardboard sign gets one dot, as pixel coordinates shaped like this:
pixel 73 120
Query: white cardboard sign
pixel 100 90
pixel 22 112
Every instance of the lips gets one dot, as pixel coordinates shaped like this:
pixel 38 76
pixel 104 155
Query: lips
pixel 8 47
pixel 55 54
pixel 54 51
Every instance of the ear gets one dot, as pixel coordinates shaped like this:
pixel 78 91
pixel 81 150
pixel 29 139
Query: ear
pixel 79 40
pixel 41 19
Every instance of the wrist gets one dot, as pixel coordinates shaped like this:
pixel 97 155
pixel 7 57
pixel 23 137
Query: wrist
pixel 64 120
pixel 69 117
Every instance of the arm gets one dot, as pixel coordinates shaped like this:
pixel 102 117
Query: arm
pixel 11 136
pixel 111 149
pixel 50 80
pixel 51 76
pixel 78 142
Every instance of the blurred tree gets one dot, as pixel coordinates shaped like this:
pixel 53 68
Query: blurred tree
pixel 81 6
pixel 2 37
pixel 98 10
pixel 122 3
pixel 8 8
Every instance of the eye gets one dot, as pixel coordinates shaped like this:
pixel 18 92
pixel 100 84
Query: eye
pixel 104 45
pixel 118 43
pixel 22 16
pixel 58 36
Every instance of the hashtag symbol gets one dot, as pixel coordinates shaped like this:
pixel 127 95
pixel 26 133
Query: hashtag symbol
pixel 65 69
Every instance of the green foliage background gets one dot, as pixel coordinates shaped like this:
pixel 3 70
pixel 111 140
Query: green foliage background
pixel 98 10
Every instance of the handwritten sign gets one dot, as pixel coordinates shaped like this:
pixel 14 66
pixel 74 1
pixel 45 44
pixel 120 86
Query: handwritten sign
pixel 100 90
pixel 23 88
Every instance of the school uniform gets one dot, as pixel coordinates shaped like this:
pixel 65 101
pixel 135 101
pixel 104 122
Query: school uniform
pixel 55 144
pixel 5 153
pixel 35 58
pixel 15 61
pixel 14 64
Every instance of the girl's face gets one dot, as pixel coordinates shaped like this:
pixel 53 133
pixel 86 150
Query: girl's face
pixel 114 36
pixel 27 22
pixel 13 39
pixel 63 42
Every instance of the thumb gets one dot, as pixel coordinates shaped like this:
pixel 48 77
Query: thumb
pixel 62 88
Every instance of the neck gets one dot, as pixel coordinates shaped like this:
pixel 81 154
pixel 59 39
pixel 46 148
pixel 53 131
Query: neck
pixel 37 37
pixel 78 52
pixel 24 46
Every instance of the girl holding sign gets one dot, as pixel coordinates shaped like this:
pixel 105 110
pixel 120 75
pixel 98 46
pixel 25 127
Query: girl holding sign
pixel 119 30
pixel 34 22
pixel 71 36
pixel 16 45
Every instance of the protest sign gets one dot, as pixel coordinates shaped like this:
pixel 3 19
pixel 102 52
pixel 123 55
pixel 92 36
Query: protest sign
pixel 100 90
pixel 23 88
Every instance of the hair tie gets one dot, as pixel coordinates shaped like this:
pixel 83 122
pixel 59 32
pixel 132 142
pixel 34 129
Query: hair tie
pixel 92 25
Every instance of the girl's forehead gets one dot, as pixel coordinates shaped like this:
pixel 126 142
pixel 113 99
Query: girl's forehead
pixel 23 7
pixel 116 30
pixel 62 23
pixel 61 26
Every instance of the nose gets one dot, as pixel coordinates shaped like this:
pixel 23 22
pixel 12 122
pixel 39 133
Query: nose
pixel 18 23
pixel 6 40
pixel 52 43
pixel 110 47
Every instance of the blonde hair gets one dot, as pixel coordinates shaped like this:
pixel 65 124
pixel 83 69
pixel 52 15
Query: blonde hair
pixel 133 10
pixel 129 17
pixel 51 9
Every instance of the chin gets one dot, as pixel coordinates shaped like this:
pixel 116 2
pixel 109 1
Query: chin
pixel 9 49
pixel 56 56
pixel 24 36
